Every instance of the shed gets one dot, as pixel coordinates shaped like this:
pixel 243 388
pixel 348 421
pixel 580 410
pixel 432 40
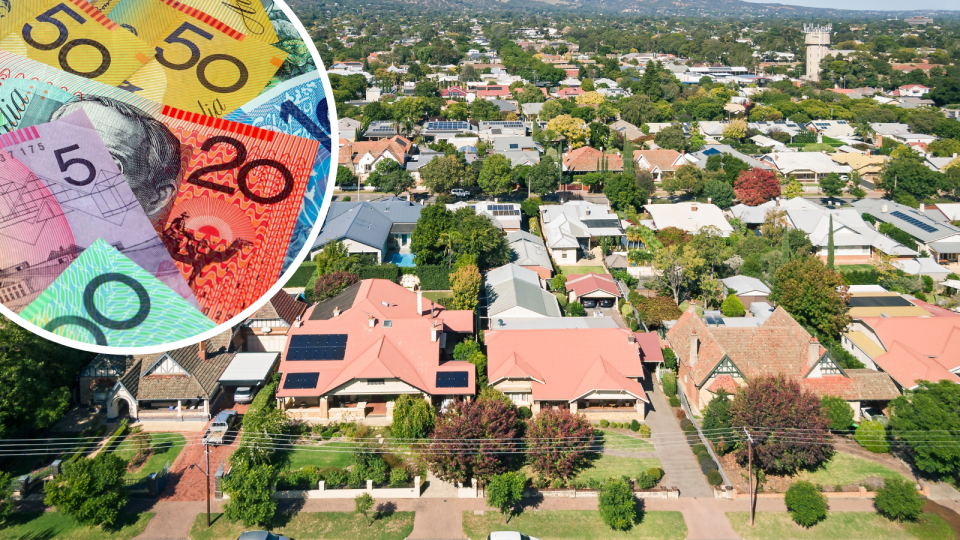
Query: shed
pixel 250 369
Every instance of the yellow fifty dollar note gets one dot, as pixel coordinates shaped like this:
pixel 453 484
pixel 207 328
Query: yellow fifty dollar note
pixel 245 16
pixel 74 36
pixel 201 64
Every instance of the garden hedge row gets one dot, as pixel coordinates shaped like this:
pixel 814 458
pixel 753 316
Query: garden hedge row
pixel 390 272
pixel 433 278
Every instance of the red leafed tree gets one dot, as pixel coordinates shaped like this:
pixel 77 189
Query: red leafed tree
pixel 672 235
pixel 469 437
pixel 786 422
pixel 756 186
pixel 330 285
pixel 558 442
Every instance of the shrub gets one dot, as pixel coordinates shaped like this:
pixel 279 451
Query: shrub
pixel 698 449
pixel 330 285
pixel 669 359
pixel 873 437
pixel 838 411
pixel 390 272
pixel 669 384
pixel 714 478
pixel 674 401
pixel 898 499
pixel 807 506
pixel 708 465
pixel 685 423
pixel 927 284
pixel 524 412
pixel 433 278
pixel 644 431
pixel 656 473
pixel 334 477
pixel 399 477
pixel 732 307
pixel 617 506
pixel 604 423
pixel 634 426
pixel 861 277
pixel 645 481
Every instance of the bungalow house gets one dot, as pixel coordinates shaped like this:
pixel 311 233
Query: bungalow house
pixel 352 355
pixel 912 90
pixel 867 166
pixel 531 110
pixel 689 217
pixel 747 289
pixel 932 231
pixel 836 129
pixel 592 286
pixel 530 253
pixel 807 167
pixel 514 292
pixel 661 163
pixel 908 349
pixel 515 143
pixel 380 129
pixel 593 371
pixel 266 330
pixel 572 92
pixel 586 159
pixel 715 358
pixel 363 156
pixel 446 129
pixel 453 92
pixel 505 216
pixel 574 228
pixel 98 377
pixel 629 131
pixel 382 228
pixel 700 157
pixel 784 126
pixel 493 91
pixel 347 127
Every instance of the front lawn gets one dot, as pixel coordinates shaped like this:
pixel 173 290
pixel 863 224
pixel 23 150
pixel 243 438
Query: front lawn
pixel 332 454
pixel 166 447
pixel 841 526
pixel 57 526
pixel 606 466
pixel 854 267
pixel 574 525
pixel 312 526
pixel 439 297
pixel 621 441
pixel 575 270
pixel 845 469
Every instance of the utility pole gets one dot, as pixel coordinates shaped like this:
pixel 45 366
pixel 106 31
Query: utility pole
pixel 750 464
pixel 206 473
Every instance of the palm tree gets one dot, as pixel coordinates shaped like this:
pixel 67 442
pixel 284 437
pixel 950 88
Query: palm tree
pixel 863 130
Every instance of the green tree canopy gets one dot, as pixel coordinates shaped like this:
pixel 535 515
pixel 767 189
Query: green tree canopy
pixel 443 173
pixel 808 290
pixel 496 175
pixel 925 420
pixel 389 176
pixel 90 490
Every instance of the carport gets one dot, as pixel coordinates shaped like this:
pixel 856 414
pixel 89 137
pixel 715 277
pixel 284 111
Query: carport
pixel 249 369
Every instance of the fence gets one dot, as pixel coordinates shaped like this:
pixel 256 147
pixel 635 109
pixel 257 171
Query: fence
pixel 151 486
pixel 23 485
pixel 703 438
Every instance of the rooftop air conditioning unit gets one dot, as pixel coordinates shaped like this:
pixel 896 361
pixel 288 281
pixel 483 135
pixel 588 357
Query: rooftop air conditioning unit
pixel 266 329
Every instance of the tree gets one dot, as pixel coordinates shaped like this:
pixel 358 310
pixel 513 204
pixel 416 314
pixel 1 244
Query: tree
pixel 465 284
pixel 496 176
pixel 906 174
pixel 687 178
pixel 469 351
pixel 732 307
pixel 872 436
pixel 639 109
pixel 730 165
pixel 455 454
pixel 477 237
pixel 505 491
pixel 716 423
pixel 412 418
pixel 330 285
pixel 756 186
pixel 482 109
pixel 925 420
pixel 574 129
pixel 650 81
pixel 898 500
pixel 719 193
pixel 793 189
pixel 807 506
pixel 672 138
pixel 838 411
pixel 576 309
pixel 832 186
pixel 550 110
pixel 90 490
pixel 624 192
pixel 345 176
pixel 434 221
pixel 678 267
pixel 616 505
pixel 590 97
pixel 559 283
pixel 653 311
pixel 251 495
pixel 814 294
pixel 331 255
pixel 443 174
pixel 531 206
pixel 552 460
pixel 544 177
pixel 735 129
pixel 389 176
pixel 780 405
pixel 362 504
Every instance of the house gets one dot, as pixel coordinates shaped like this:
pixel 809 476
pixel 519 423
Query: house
pixel 932 231
pixel 446 129
pixel 521 157
pixel 382 228
pixel 514 292
pixel 505 216
pixel 783 126
pixel 531 109
pixel 380 129
pixel 629 131
pixel 700 157
pixel 613 93
pixel 807 167
pixel 868 167
pixel 353 355
pixel 491 130
pixel 887 129
pixel 593 371
pixel 574 228
pixel 661 163
pixel 587 159
pixel 505 106
pixel 912 90
pixel 453 92
pixel 530 253
pixel 555 323
pixel 870 303
pixel 908 349
pixel 522 143
pixel 348 128
pixel 591 286
pixel 923 266
pixel 832 128
pixel 715 358
pixel 98 377
pixel 266 330
pixel 766 142
pixel 363 156
pixel 419 161
pixel 689 217
pixel 567 93
pixel 176 385
pixel 939 164
pixel 747 289
pixel 493 91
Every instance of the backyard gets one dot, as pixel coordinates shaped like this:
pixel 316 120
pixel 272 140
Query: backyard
pixel 854 267
pixel 841 525
pixel 313 526
pixel 165 447
pixel 57 526
pixel 574 525
pixel 571 270
pixel 438 296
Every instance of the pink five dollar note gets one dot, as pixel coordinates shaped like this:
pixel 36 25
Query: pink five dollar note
pixel 234 213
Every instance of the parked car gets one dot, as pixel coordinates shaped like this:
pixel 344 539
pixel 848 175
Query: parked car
pixel 507 535
pixel 459 192
pixel 588 302
pixel 219 428
pixel 261 535
pixel 243 394
pixel 608 302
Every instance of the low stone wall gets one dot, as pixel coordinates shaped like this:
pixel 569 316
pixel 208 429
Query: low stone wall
pixel 622 415
pixel 656 493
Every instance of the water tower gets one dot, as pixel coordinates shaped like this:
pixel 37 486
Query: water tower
pixel 818 42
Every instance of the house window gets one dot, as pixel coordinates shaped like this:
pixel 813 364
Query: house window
pixel 376 381
pixel 100 395
pixel 563 255
pixel 388 324
pixel 518 398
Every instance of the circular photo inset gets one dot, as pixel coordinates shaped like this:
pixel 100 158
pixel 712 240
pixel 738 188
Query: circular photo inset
pixel 163 166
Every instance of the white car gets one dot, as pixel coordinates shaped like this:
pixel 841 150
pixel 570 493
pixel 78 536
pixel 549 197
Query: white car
pixel 459 192
pixel 243 394
pixel 509 535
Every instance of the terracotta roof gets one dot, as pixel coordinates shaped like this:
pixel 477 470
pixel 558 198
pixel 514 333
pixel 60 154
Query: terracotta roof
pixel 570 92
pixel 582 284
pixel 566 364
pixel 724 382
pixel 282 306
pixel 908 367
pixel 662 159
pixel 352 152
pixel 587 159
pixel 933 337
pixel 651 348
pixel 403 350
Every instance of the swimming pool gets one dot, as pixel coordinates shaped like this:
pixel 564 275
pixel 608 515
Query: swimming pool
pixel 403 259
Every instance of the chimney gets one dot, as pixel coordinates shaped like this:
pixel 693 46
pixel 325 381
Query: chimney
pixel 202 350
pixel 433 309
pixel 336 311
pixel 883 208
pixel 419 302
pixel 434 332
pixel 694 347
pixel 372 321
pixel 813 351
pixel 693 208
pixel 922 207
pixel 709 200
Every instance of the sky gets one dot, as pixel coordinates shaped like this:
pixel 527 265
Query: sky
pixel 898 5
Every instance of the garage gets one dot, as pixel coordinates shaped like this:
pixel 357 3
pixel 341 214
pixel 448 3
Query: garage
pixel 593 290
pixel 248 372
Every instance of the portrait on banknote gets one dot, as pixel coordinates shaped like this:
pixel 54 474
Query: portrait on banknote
pixel 164 166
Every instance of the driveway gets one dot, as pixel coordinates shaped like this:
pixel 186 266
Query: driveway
pixel 679 464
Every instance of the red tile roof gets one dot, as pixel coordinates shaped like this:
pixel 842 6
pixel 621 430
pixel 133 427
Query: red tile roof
pixel 724 382
pixel 404 351
pixel 587 159
pixel 570 92
pixel 908 367
pixel 583 284
pixel 352 152
pixel 564 365
pixel 493 91
pixel 651 348
pixel 931 337
pixel 663 159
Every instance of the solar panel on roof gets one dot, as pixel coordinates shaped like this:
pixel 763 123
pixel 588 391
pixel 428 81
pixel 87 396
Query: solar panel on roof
pixel 317 347
pixel 301 381
pixel 914 221
pixel 452 379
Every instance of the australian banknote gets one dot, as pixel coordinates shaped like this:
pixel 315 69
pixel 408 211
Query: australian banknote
pixel 76 184
pixel 249 17
pixel 299 59
pixel 106 299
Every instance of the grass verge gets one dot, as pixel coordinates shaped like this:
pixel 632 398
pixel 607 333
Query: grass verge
pixel 574 525
pixel 57 526
pixel 568 270
pixel 312 526
pixel 845 469
pixel 841 526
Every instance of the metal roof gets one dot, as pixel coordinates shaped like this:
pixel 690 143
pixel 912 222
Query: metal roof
pixel 517 292
pixel 249 368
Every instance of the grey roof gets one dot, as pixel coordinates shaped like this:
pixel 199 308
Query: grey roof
pixel 249 368
pixel 532 108
pixel 380 128
pixel 528 250
pixel 518 292
pixel 936 221
pixel 418 161
pixel 946 247
pixel 553 323
pixel 323 311
pixel 712 149
pixel 366 222
pixel 520 157
pixel 505 106
pixel 514 142
pixel 509 272
pixel 743 284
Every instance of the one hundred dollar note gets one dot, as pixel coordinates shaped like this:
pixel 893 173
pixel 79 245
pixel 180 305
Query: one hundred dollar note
pixel 106 299
pixel 26 103
pixel 77 179
pixel 72 35
pixel 297 107
pixel 201 64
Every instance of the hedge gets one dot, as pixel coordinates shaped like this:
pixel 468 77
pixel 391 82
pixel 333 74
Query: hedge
pixel 433 278
pixel 303 274
pixel 861 277
pixel 308 290
pixel 390 272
